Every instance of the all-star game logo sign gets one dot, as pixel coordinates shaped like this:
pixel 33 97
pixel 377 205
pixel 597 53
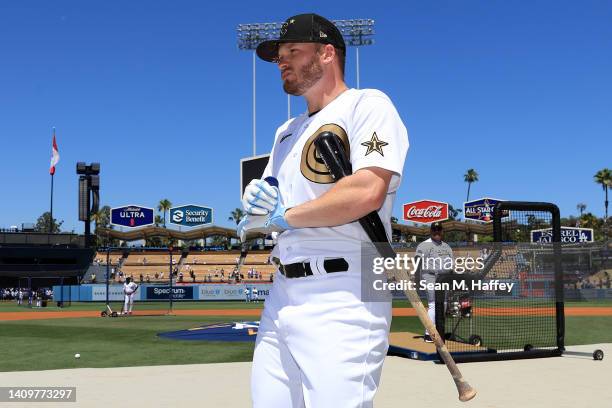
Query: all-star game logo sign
pixel 425 211
pixel 481 209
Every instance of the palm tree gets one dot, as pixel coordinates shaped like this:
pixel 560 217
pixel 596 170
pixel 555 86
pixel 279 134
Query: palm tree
pixel 604 177
pixel 236 215
pixel 581 207
pixel 97 219
pixel 470 177
pixel 163 206
pixel 158 220
pixel 102 217
pixel 453 212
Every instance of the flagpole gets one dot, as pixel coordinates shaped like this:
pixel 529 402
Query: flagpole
pixel 51 212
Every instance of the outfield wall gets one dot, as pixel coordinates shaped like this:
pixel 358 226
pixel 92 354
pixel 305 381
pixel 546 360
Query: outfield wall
pixel 220 291
pixel 211 291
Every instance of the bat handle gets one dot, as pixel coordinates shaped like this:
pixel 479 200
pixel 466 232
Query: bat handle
pixel 272 181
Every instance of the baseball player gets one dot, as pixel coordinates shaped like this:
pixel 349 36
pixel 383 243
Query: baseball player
pixel 129 289
pixel 319 344
pixel 247 294
pixel 255 294
pixel 436 260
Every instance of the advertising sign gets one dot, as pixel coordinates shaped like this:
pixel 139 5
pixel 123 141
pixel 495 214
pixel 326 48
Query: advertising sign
pixel 425 211
pixel 191 215
pixel 132 216
pixel 481 209
pixel 569 235
pixel 162 292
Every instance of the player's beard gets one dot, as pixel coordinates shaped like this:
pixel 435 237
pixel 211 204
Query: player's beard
pixel 309 74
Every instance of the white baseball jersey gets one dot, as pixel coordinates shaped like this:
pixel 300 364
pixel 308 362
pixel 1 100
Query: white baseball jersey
pixel 129 288
pixel 295 363
pixel 437 257
pixel 373 133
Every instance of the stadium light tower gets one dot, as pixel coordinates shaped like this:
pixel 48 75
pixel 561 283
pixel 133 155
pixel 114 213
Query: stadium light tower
pixel 249 36
pixel 356 33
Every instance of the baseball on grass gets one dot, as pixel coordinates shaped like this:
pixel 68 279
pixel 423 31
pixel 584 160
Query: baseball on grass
pixel 77 355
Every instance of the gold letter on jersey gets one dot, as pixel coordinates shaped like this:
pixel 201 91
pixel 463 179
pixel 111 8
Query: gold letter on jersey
pixel 312 165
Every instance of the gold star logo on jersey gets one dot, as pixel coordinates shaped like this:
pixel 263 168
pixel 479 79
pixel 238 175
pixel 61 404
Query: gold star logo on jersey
pixel 374 145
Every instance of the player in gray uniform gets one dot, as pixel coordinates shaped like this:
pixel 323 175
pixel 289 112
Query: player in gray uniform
pixel 436 260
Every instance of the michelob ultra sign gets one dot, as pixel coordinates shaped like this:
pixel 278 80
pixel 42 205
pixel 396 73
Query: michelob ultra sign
pixel 132 216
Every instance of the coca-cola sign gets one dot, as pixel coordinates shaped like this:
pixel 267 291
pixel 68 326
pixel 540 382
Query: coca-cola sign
pixel 425 211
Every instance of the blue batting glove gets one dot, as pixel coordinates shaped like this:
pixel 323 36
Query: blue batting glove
pixel 259 197
pixel 277 220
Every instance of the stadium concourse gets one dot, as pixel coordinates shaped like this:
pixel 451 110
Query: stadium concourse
pixel 554 382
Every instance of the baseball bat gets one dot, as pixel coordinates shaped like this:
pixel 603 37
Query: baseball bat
pixel 334 156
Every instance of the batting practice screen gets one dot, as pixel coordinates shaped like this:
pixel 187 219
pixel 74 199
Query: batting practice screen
pixel 513 306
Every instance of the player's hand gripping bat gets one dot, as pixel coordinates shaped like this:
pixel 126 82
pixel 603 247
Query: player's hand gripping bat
pixel 255 231
pixel 334 156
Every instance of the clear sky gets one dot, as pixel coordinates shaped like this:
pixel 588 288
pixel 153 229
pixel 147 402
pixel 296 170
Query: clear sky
pixel 159 94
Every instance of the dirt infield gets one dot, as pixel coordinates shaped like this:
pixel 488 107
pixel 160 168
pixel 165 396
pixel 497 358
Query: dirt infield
pixel 397 311
pixel 563 382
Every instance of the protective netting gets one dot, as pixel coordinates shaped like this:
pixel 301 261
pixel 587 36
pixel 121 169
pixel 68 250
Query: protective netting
pixel 511 305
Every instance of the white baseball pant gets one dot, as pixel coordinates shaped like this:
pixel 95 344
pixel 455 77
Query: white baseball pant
pixel 318 344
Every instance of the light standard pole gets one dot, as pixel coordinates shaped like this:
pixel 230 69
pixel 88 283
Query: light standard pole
pixel 249 37
pixel 357 33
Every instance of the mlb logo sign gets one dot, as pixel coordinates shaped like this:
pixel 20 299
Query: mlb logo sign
pixel 425 211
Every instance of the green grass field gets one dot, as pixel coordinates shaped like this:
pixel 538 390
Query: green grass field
pixel 51 344
pixel 75 306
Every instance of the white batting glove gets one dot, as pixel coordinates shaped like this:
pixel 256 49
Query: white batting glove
pixel 259 198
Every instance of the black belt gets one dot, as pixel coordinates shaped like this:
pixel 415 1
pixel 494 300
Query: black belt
pixel 302 269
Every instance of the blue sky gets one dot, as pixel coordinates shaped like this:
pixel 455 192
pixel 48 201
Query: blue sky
pixel 159 94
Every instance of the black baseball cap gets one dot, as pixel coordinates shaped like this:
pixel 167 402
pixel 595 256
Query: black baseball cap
pixel 436 226
pixel 303 28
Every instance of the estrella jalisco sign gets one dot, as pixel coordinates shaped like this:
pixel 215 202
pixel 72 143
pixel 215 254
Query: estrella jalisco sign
pixel 191 215
pixel 132 216
pixel 481 209
pixel 569 235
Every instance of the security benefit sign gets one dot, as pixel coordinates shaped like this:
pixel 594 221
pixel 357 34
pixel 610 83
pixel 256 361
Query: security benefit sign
pixel 481 209
pixel 191 215
pixel 163 292
pixel 132 216
pixel 569 235
pixel 425 211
